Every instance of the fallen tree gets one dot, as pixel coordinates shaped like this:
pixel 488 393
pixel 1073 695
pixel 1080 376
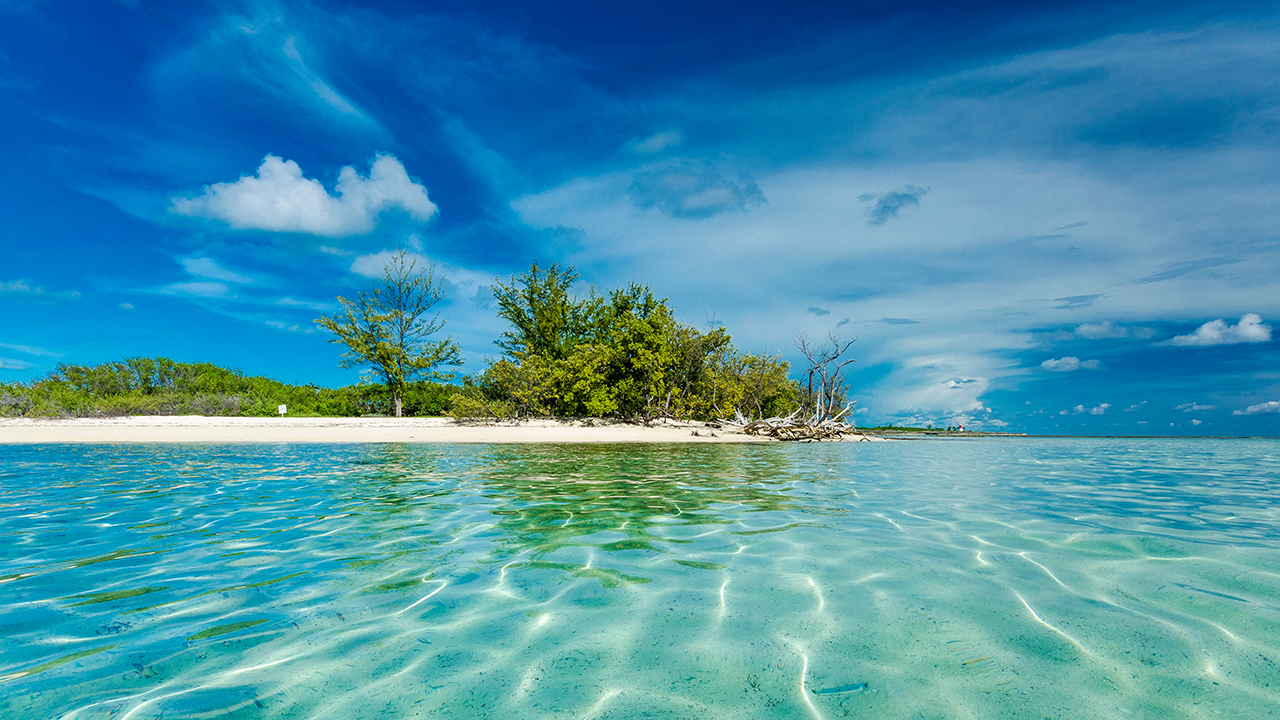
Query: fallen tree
pixel 795 427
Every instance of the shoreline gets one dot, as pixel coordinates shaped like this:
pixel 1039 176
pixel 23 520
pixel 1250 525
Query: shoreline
pixel 213 429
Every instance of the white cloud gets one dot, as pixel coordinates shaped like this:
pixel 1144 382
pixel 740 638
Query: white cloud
pixel 1217 332
pixel 198 289
pixel 1098 331
pixel 18 286
pixel 290 327
pixel 1193 407
pixel 22 287
pixel 457 282
pixel 307 304
pixel 127 307
pixel 1195 422
pixel 371 266
pixel 7 364
pixel 1269 407
pixel 656 142
pixel 280 199
pixel 210 269
pixel 1135 406
pixel 1081 409
pixel 1068 364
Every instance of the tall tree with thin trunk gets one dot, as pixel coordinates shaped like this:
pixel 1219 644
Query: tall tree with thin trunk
pixel 388 328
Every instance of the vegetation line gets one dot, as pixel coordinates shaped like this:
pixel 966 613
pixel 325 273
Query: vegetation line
pixel 620 354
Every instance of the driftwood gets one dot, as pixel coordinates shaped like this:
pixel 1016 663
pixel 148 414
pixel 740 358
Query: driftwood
pixel 794 427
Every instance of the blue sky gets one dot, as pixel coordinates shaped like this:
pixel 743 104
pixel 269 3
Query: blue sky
pixel 1060 218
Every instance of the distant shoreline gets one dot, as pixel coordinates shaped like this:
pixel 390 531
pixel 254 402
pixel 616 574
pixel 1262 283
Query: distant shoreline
pixel 974 435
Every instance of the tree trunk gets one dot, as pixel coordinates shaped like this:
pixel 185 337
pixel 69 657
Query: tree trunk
pixel 399 403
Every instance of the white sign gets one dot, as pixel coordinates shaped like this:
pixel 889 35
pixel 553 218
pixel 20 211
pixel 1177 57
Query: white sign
pixel 281 409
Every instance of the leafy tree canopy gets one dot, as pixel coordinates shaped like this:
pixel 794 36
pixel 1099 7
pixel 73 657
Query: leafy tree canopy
pixel 623 354
pixel 388 328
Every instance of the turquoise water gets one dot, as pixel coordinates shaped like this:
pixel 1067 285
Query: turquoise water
pixel 920 579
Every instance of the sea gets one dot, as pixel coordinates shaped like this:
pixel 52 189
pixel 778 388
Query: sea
pixel 938 578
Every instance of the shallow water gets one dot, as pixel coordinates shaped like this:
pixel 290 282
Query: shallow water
pixel 921 579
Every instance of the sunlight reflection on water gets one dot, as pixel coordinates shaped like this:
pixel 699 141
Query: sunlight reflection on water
pixel 1031 578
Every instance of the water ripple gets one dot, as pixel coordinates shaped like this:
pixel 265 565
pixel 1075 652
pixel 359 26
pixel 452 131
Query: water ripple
pixel 944 579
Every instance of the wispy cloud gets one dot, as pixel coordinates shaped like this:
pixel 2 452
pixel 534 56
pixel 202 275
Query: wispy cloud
pixel 8 364
pixel 656 142
pixel 198 289
pixel 887 205
pixel 36 292
pixel 1073 302
pixel 1183 267
pixel 31 350
pixel 1218 332
pixel 204 267
pixel 819 311
pixel 279 199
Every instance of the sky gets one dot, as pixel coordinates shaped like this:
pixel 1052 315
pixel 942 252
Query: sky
pixel 1052 218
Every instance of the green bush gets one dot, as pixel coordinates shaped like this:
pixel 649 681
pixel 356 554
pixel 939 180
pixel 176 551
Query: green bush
pixel 160 386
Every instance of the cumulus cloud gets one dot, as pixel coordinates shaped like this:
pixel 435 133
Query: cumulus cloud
pixel 1217 332
pixel 1269 407
pixel 1194 407
pixel 888 205
pixel 280 199
pixel 656 142
pixel 1068 364
pixel 1081 409
pixel 693 190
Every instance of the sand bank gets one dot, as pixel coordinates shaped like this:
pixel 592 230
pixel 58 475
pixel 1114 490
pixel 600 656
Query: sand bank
pixel 197 428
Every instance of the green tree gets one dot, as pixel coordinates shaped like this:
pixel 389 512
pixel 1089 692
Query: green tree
pixel 623 354
pixel 545 321
pixel 388 329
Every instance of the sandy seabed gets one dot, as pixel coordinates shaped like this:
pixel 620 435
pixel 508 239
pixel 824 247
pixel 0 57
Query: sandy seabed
pixel 199 428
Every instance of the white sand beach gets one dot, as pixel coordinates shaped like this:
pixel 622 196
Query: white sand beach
pixel 198 428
